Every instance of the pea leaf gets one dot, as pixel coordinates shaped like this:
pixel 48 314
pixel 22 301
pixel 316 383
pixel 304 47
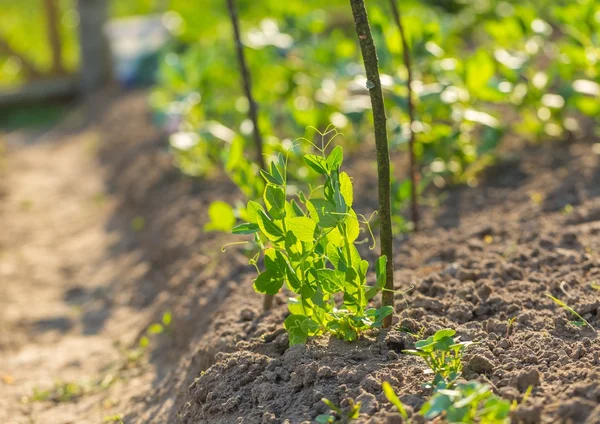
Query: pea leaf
pixel 268 283
pixel 346 188
pixel 248 228
pixel 221 217
pixel 269 228
pixel 302 227
pixel 335 158
pixel 317 163
pixel 274 198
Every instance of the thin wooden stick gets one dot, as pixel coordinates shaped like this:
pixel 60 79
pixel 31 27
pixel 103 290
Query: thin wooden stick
pixel 414 173
pixel 369 54
pixel 52 21
pixel 252 106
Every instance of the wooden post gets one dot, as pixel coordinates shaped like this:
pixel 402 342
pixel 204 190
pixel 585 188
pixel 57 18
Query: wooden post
pixel 95 63
pixel 53 29
pixel 414 173
pixel 369 54
pixel 252 106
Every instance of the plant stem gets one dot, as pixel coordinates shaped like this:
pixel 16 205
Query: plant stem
pixel 411 117
pixel 369 54
pixel 252 106
pixel 246 82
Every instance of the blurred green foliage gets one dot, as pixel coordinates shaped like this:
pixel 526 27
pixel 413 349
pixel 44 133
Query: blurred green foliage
pixel 483 69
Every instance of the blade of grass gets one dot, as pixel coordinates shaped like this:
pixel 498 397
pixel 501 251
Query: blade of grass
pixel 571 310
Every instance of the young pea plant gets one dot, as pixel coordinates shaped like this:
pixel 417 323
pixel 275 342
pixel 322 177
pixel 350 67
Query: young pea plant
pixel 309 245
pixel 338 415
pixel 471 402
pixel 443 353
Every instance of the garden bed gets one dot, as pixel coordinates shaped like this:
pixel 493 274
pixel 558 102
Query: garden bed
pixel 482 265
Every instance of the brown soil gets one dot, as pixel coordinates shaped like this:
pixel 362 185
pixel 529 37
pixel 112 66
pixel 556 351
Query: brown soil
pixel 79 286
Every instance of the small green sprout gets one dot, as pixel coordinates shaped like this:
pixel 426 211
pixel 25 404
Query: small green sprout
pixel 582 322
pixel 394 400
pixel 338 415
pixel 442 353
pixel 138 224
pixel 471 402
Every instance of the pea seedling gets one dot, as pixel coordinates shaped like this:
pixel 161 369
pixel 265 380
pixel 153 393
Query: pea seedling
pixel 338 415
pixel 471 402
pixel 442 353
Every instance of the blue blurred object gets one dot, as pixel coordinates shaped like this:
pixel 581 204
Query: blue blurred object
pixel 135 45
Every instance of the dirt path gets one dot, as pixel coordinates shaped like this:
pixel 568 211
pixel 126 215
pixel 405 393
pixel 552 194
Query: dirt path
pixel 65 327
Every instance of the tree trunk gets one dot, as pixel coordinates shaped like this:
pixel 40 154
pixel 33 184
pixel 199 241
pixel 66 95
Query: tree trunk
pixel 369 54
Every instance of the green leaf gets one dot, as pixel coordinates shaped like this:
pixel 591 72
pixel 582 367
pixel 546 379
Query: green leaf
pixel 330 280
pixel 274 198
pixel 298 211
pixel 295 306
pixel 248 228
pixel 250 214
pixel 269 228
pixel 335 158
pixel 325 419
pixel 346 188
pixel 221 217
pixel 317 163
pixel 167 318
pixel 276 174
pixel 275 262
pixel 293 324
pixel 268 283
pixel 393 399
pixel 446 332
pixel 269 178
pixel 302 227
pixel 310 327
pixel 323 212
pixel 155 329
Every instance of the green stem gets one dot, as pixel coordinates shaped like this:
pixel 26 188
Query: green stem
pixel 369 54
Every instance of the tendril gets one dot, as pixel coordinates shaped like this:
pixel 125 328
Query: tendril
pixel 226 245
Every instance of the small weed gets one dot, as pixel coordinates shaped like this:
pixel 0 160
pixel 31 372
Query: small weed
pixel 536 198
pixel 60 392
pixel 509 326
pixel 594 284
pixel 442 353
pixel 337 414
pixel 568 209
pixel 582 322
pixel 113 419
pixel 138 224
pixel 26 205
